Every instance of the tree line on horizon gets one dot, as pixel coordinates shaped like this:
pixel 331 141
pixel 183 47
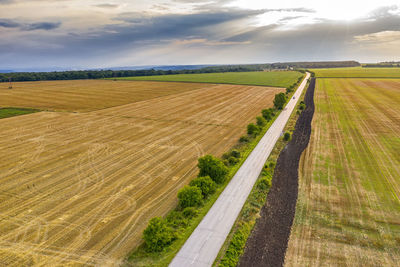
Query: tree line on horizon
pixel 102 74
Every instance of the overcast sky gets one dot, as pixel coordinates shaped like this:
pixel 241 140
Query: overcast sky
pixel 97 33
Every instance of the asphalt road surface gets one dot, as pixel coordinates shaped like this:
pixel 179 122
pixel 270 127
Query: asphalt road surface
pixel 204 244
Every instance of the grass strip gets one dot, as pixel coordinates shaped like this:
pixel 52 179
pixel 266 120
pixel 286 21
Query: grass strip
pixel 12 112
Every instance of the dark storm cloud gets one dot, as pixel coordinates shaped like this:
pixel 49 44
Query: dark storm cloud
pixel 6 23
pixel 139 27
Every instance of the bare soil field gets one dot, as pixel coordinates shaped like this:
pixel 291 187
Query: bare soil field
pixel 85 95
pixel 79 188
pixel 348 208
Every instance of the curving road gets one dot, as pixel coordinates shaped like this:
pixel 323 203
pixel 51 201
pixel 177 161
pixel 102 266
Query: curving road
pixel 203 245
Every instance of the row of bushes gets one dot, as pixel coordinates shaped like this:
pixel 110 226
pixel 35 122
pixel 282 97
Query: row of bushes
pixel 161 232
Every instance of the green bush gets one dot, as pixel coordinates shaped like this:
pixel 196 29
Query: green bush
pixel 157 235
pixel 189 212
pixel 286 136
pixel 280 100
pixel 176 219
pixel 264 183
pixel 213 167
pixel 190 196
pixel 244 139
pixel 206 185
pixel 226 155
pixel 252 129
pixel 261 121
pixel 235 153
pixel 267 114
pixel 271 165
pixel 233 161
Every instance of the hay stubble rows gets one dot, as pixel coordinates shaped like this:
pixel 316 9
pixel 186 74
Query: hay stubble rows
pixel 79 188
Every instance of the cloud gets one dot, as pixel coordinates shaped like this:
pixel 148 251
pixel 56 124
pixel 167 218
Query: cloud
pixel 201 35
pixel 6 23
pixel 207 42
pixel 298 9
pixel 289 18
pixel 42 26
pixel 107 6
pixel 379 37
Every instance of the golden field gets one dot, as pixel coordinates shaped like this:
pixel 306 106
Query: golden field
pixel 79 188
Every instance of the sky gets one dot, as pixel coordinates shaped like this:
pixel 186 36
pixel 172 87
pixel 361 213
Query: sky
pixel 109 33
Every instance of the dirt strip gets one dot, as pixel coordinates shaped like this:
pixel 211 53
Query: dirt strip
pixel 268 241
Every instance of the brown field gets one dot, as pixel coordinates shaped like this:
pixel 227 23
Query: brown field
pixel 348 209
pixel 79 188
pixel 85 95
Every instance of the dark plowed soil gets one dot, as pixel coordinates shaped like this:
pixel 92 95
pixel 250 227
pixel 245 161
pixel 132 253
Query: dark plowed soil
pixel 268 241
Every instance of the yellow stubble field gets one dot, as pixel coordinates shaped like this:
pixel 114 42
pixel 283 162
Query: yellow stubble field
pixel 78 188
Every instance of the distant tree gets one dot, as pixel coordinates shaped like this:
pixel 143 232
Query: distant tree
pixel 157 235
pixel 261 121
pixel 213 167
pixel 190 196
pixel 252 129
pixel 280 100
pixel 206 185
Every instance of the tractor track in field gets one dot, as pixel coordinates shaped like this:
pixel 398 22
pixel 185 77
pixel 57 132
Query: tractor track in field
pixel 268 241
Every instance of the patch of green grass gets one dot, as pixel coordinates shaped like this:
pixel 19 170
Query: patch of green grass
pixel 357 72
pixel 11 112
pixel 262 78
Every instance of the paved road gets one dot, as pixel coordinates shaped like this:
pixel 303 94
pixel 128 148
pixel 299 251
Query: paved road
pixel 203 245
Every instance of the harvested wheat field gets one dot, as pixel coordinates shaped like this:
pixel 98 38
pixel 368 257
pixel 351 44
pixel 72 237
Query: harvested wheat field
pixel 85 95
pixel 79 188
pixel 348 209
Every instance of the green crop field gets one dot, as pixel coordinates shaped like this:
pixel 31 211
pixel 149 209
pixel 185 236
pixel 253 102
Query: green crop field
pixel 357 72
pixel 11 112
pixel 348 208
pixel 263 78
